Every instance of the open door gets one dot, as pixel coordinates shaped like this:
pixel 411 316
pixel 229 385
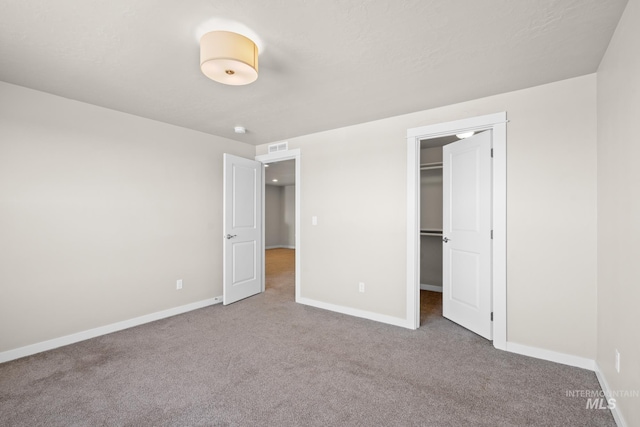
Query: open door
pixel 242 227
pixel 466 233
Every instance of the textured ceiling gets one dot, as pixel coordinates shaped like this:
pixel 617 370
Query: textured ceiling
pixel 325 63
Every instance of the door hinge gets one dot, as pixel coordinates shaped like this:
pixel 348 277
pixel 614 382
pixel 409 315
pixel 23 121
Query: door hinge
pixel 492 234
pixel 492 316
pixel 492 152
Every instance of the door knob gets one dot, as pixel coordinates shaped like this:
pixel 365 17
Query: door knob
pixel 229 236
pixel 446 239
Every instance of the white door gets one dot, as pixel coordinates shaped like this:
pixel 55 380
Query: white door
pixel 466 233
pixel 242 218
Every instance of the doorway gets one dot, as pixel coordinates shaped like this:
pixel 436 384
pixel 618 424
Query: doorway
pixel 431 225
pixel 279 230
pixel 455 227
pixel 496 123
pixel 283 238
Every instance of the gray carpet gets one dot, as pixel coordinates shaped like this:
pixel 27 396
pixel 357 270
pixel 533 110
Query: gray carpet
pixel 267 361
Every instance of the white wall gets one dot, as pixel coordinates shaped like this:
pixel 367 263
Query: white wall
pixel 280 216
pixel 100 213
pixel 354 180
pixel 619 212
pixel 273 216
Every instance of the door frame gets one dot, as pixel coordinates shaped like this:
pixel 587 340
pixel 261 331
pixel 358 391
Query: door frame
pixel 497 123
pixel 274 158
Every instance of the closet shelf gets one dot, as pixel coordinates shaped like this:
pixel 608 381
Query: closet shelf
pixel 429 166
pixel 431 232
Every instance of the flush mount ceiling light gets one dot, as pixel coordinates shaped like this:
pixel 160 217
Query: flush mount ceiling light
pixel 240 129
pixel 464 135
pixel 228 58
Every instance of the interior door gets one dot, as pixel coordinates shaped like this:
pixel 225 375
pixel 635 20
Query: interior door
pixel 242 218
pixel 466 233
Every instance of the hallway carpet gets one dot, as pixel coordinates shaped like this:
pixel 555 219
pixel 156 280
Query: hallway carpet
pixel 267 361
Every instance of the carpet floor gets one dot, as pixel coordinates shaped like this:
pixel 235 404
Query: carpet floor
pixel 267 361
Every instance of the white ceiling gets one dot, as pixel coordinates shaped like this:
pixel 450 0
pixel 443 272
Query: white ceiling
pixel 325 63
pixel 284 172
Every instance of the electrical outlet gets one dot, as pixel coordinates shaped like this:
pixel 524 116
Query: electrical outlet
pixel 617 361
pixel 361 287
pixel 178 284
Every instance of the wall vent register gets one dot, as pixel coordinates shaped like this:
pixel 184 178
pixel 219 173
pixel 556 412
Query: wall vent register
pixel 281 146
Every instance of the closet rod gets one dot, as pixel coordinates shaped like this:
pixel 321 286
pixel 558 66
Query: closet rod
pixel 428 166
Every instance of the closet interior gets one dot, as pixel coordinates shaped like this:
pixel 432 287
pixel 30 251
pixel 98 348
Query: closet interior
pixel 431 212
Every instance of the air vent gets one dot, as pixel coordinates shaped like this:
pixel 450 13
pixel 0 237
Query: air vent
pixel 281 146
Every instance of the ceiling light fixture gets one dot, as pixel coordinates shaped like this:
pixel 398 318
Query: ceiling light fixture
pixel 228 58
pixel 240 129
pixel 274 180
pixel 464 135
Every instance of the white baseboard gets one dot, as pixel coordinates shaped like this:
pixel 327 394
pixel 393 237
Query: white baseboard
pixel 396 321
pixel 552 356
pixel 567 359
pixel 31 349
pixel 432 288
pixel 538 353
pixel 280 247
pixel 617 416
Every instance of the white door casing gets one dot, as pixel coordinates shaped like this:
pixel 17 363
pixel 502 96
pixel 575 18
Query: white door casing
pixel 467 289
pixel 242 228
pixel 497 123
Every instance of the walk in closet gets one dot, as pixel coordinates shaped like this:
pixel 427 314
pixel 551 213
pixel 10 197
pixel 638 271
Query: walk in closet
pixel 431 211
pixel 455 239
pixel 431 216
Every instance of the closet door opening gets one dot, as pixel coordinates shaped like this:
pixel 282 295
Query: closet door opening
pixel 423 224
pixel 455 230
pixel 430 245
